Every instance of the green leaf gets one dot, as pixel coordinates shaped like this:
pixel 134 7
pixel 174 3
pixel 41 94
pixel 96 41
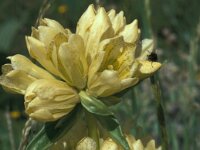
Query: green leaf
pixel 52 131
pixel 105 117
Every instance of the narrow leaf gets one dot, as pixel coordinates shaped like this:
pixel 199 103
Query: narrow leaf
pixel 53 131
pixel 105 117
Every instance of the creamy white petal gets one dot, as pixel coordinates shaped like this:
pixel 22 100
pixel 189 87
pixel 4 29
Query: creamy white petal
pixel 73 62
pixel 20 62
pixel 47 34
pixel 151 145
pixel 118 22
pixel 52 23
pixel 100 30
pixel 137 145
pixel 104 84
pixel 112 14
pixel 86 143
pixel 126 83
pixel 108 144
pixel 51 98
pixel 147 47
pixel 38 51
pixel 16 81
pixel 147 68
pixel 113 48
pixel 85 22
pixel 95 66
pixel 131 32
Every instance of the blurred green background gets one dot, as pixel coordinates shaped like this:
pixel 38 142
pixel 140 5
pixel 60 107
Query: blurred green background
pixel 176 27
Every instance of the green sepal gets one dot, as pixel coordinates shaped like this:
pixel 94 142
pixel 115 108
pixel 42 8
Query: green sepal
pixel 106 118
pixel 53 131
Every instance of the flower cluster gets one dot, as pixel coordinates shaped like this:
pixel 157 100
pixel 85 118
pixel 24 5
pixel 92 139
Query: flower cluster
pixel 108 144
pixel 103 57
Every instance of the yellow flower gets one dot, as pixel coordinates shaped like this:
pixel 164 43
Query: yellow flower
pixel 108 144
pixel 15 114
pixel 115 56
pixel 62 9
pixel 134 144
pixel 86 143
pixel 103 57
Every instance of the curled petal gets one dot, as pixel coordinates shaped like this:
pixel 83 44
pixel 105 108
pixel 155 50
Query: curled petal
pixel 38 51
pixel 54 46
pixel 95 66
pixel 147 49
pixel 112 14
pixel 46 34
pixel 131 32
pixel 16 81
pixel 126 83
pixel 48 100
pixel 100 30
pixel 138 145
pixel 147 68
pixel 151 145
pixel 134 144
pixel 52 23
pixel 108 144
pixel 118 21
pixel 85 22
pixel 104 84
pixel 86 143
pixel 20 62
pixel 73 64
pixel 113 48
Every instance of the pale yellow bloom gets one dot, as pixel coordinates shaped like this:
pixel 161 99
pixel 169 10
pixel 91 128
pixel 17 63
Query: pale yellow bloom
pixel 86 143
pixel 103 57
pixel 108 144
pixel 117 59
pixel 62 9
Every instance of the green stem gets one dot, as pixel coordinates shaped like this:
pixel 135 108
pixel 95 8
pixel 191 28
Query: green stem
pixel 93 131
pixel 160 111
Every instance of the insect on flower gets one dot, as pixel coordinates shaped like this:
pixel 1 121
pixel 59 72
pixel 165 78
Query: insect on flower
pixel 152 57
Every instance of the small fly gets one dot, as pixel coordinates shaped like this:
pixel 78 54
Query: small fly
pixel 152 57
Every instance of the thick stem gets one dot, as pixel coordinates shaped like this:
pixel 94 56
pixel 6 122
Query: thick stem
pixel 160 111
pixel 93 131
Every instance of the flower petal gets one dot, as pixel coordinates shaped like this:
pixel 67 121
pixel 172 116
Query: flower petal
pixel 50 98
pixel 15 81
pixel 131 32
pixel 86 143
pixel 104 84
pixel 100 30
pixel 54 47
pixel 147 49
pixel 20 62
pixel 85 22
pixel 147 68
pixel 52 23
pixel 109 144
pixel 138 145
pixel 151 145
pixel 73 63
pixel 113 47
pixel 118 21
pixel 38 51
pixel 126 83
pixel 46 34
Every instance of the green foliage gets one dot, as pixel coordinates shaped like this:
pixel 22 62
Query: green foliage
pixel 105 117
pixel 53 131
